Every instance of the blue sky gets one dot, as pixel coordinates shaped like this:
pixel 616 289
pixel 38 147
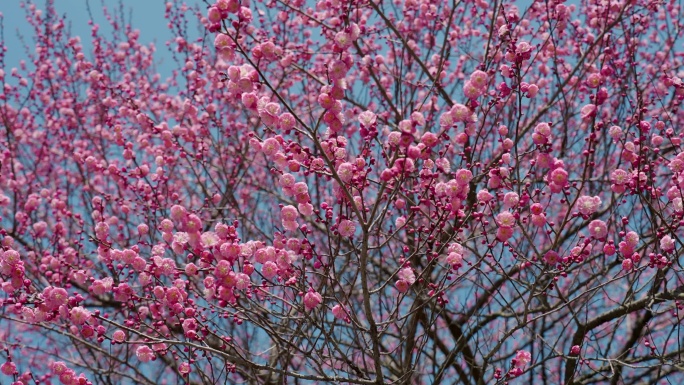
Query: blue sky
pixel 144 15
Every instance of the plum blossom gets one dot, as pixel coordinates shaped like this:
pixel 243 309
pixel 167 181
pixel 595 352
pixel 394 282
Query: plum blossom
pixel 588 111
pixel 407 274
pixel 79 315
pixel 145 353
pixel 454 259
pixel 463 177
pixel 339 312
pixel 402 286
pixel 522 358
pixel 667 243
pixel 270 147
pixel 269 269
pixel 184 368
pixel 209 239
pixel 346 228
pixel 632 239
pixel 511 199
pixel 8 368
pixel 119 336
pixel 242 281
pixel 345 171
pixel 312 299
pixel 446 120
pixel 288 213
pixel 406 278
pixel 55 297
pixel 615 132
pixel 484 196
pixel 559 176
pixel 471 91
pixel 598 229
pixel 479 79
pixel 588 205
pixel 505 219
pixel 367 118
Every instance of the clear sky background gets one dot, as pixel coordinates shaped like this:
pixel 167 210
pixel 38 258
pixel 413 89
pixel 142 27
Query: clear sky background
pixel 144 15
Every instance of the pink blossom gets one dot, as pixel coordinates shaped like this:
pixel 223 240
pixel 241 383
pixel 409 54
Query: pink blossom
pixel 231 6
pixel 143 229
pixel 102 230
pixel 286 121
pixel 67 377
pixel 209 239
pixel 270 146
pixel 343 39
pixel 59 367
pixel 290 225
pixel 269 270
pixel 346 228
pixel 8 368
pixel 615 132
pixel 511 199
pixel 345 172
pixel 367 118
pixel 339 312
pixel 184 368
pixel 522 358
pixel 619 177
pixel 222 41
pixel 588 111
pixel 484 196
pixel 594 80
pixel 632 239
pixel 598 229
pixel 446 120
pixel 286 180
pixel 588 205
pixel 10 257
pixel 538 219
pixel 119 336
pixel 214 15
pixel 471 91
pixel 429 139
pixel 479 79
pixel 417 118
pixel 99 287
pixel 402 285
pixel 79 315
pixel 559 176
pixel 242 281
pixel 407 274
pixel 454 259
pixel 667 243
pixel 463 177
pixel 460 113
pixel 505 219
pixel 288 213
pixel 312 299
pixel 55 297
pixel 145 353
pixel 543 129
pixel 504 233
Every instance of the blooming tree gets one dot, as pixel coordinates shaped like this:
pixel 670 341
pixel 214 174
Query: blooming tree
pixel 347 191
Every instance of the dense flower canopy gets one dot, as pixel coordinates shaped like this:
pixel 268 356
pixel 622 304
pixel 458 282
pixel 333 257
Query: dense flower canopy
pixel 347 191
